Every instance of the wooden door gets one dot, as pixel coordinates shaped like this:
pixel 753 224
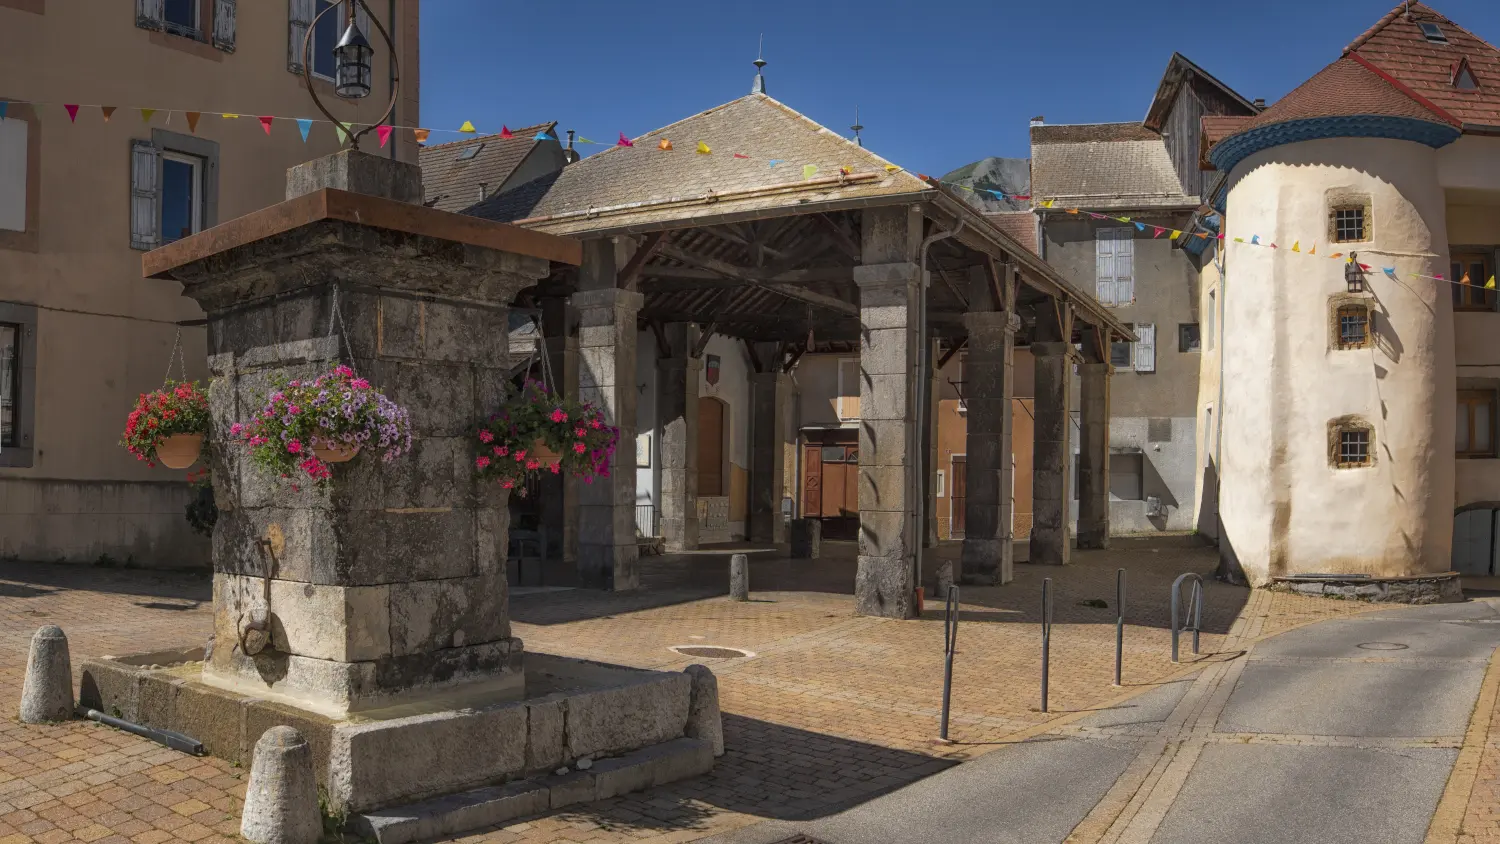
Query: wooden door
pixel 710 447
pixel 957 493
pixel 812 481
pixel 851 480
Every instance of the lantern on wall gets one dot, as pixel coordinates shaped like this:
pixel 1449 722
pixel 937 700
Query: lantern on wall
pixel 354 66
pixel 1354 274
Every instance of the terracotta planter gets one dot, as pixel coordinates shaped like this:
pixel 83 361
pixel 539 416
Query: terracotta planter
pixel 179 451
pixel 336 454
pixel 540 451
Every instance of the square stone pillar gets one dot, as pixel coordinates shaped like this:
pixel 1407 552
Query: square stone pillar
pixel 607 551
pixel 988 553
pixel 677 402
pixel 1093 455
pixel 559 493
pixel 889 283
pixel 1051 453
pixel 770 393
pixel 388 583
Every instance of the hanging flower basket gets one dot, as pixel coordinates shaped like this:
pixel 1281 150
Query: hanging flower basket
pixel 538 431
pixel 168 426
pixel 307 425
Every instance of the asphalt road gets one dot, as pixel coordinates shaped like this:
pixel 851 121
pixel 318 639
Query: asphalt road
pixel 1343 731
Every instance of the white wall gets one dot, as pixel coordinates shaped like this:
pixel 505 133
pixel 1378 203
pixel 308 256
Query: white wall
pixel 647 479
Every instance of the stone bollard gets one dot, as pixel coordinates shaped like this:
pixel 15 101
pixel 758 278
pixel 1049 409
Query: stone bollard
pixel 739 578
pixel 807 536
pixel 281 800
pixel 47 694
pixel 704 720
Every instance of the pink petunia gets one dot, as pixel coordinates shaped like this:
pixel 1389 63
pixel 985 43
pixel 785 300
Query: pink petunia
pixel 533 463
pixel 486 436
pixel 596 424
pixel 556 467
pixel 521 455
pixel 294 447
pixel 559 415
pixel 501 451
pixel 507 483
pixel 481 461
pixel 580 447
pixel 580 433
pixel 360 384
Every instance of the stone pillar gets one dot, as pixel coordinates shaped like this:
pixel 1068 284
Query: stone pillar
pixel 607 551
pixel 1093 454
pixel 932 386
pixel 889 283
pixel 770 393
pixel 988 554
pixel 1051 453
pixel 678 404
pixel 559 493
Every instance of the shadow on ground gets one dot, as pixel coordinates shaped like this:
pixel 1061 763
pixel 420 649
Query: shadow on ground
pixel 177 589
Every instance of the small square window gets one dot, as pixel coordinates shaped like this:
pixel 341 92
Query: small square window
pixel 1432 32
pixel 1349 223
pixel 1120 351
pixel 180 17
pixel 1188 338
pixel 1470 273
pixel 469 152
pixel 1354 326
pixel 1354 447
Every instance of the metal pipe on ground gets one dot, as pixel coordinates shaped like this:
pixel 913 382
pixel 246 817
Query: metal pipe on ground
pixel 1195 611
pixel 174 740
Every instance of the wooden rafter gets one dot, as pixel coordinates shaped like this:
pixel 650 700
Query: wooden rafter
pixel 839 236
pixel 948 355
pixel 755 277
pixel 633 267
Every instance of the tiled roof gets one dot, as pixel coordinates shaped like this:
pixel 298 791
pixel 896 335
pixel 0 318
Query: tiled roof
pixel 644 185
pixel 1397 46
pixel 1104 166
pixel 452 184
pixel 1218 127
pixel 1020 225
pixel 1181 69
pixel 1345 88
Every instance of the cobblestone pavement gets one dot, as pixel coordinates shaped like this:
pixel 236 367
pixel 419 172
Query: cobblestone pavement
pixel 830 711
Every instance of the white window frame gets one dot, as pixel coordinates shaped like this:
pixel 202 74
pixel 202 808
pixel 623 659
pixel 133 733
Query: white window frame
pixel 1114 265
pixel 198 197
pixel 839 407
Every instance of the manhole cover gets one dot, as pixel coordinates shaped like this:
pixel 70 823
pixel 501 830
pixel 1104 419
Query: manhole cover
pixel 710 652
pixel 1383 646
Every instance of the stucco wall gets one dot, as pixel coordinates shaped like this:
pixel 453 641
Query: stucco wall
pixel 1206 425
pixel 1284 508
pixel 103 332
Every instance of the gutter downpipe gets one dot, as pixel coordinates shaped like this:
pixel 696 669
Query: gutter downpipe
pixel 392 81
pixel 1222 260
pixel 919 512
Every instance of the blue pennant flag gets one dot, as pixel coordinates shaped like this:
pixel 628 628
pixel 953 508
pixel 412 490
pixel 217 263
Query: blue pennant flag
pixel 1140 227
pixel 998 194
pixel 543 136
pixel 1390 271
pixel 1255 239
pixel 304 126
pixel 3 106
pixel 776 161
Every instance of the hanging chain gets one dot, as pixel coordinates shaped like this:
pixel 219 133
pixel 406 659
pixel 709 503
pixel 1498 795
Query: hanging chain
pixel 337 318
pixel 541 346
pixel 176 355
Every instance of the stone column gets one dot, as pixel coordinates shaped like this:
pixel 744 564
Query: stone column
pixel 988 554
pixel 889 283
pixel 770 394
pixel 932 385
pixel 559 493
pixel 1093 452
pixel 607 551
pixel 678 404
pixel 1051 453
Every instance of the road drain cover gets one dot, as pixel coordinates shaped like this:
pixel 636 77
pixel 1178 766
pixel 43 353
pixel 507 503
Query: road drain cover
pixel 1383 646
pixel 708 652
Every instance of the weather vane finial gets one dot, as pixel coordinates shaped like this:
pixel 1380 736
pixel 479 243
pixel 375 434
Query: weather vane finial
pixel 760 80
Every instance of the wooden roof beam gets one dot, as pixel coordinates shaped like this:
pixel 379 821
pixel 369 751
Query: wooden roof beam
pixel 747 276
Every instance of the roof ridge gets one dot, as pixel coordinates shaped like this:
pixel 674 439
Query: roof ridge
pixel 1379 25
pixel 857 149
pixel 477 138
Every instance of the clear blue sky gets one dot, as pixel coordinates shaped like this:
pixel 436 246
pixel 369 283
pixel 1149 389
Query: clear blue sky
pixel 939 83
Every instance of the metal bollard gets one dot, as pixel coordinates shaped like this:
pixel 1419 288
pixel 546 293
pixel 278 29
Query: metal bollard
pixel 1195 612
pixel 950 645
pixel 1119 622
pixel 1046 635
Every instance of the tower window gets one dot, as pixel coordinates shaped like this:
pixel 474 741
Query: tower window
pixel 1354 447
pixel 1432 32
pixel 1354 326
pixel 1349 223
pixel 1463 77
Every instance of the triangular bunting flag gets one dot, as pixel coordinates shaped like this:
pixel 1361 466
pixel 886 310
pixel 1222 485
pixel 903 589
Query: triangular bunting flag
pixel 808 171
pixel 586 141
pixel 230 116
pixel 1159 231
pixel 338 129
pixel 3 106
pixel 624 141
pixel 1200 235
pixel 1314 250
pixel 891 168
pixel 504 131
pixel 1296 246
pixel 1439 276
pixel 421 135
pixel 1123 219
pixel 304 126
pixel 1072 210
pixel 1367 268
pixel 703 149
pixel 1465 279
pixel 1096 216
pixel 1337 255
pixel 740 155
pixel 192 119
pixel 1021 196
pixel 1490 285
pixel 1047 203
pixel 72 112
pixel 467 127
pixel 146 114
pixel 665 144
pixel 108 112
pixel 543 136
pixel 1254 240
pixel 1140 227
pixel 846 170
pixel 1274 246
pixel 1236 240
pixel 265 123
pixel 384 134
pixel 1176 234
pixel 776 161
pixel 1390 271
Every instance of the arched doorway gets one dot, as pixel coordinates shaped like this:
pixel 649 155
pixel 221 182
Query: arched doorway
pixel 1474 534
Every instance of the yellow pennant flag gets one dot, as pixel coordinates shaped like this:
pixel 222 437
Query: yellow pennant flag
pixel 146 114
pixel 808 170
pixel 703 148
pixel 1296 246
pixel 467 127
pixel 1176 234
pixel 230 116
pixel 891 168
pixel 665 144
pixel 1490 285
pixel 1047 203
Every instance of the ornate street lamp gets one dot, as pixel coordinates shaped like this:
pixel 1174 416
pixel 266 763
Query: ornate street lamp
pixel 353 69
pixel 1354 275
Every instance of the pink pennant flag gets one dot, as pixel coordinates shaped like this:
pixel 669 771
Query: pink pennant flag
pixel 384 134
pixel 265 123
pixel 1159 231
pixel 624 141
pixel 738 155
pixel 505 131
pixel 72 112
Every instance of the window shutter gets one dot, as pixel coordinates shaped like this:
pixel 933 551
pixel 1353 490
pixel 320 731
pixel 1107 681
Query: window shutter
pixel 145 199
pixel 224 24
pixel 149 14
pixel 1104 251
pixel 1124 266
pixel 1145 347
pixel 299 18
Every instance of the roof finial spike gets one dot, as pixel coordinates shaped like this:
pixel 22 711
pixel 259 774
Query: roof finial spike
pixel 759 86
pixel 858 141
